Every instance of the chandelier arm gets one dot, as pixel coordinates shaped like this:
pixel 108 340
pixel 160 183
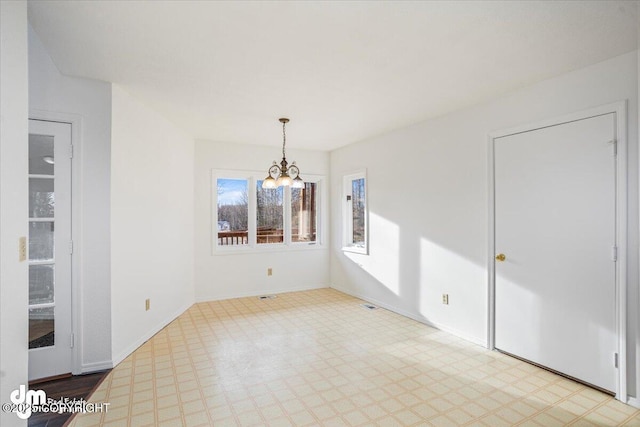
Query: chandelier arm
pixel 274 171
pixel 294 171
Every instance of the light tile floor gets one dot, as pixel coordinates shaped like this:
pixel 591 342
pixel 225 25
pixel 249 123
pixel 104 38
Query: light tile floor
pixel 319 358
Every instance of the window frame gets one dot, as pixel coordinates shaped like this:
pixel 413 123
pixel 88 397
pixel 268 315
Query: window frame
pixel 287 244
pixel 347 212
pixel 288 215
pixel 285 223
pixel 251 211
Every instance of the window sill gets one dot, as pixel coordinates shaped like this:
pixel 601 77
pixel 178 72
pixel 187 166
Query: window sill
pixel 268 248
pixel 356 250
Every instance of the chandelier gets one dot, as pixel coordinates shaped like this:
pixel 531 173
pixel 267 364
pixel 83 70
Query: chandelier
pixel 284 175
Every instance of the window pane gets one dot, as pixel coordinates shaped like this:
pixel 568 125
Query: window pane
pixel 41 198
pixel 41 280
pixel 233 211
pixel 303 213
pixel 270 218
pixel 41 327
pixel 358 197
pixel 41 241
pixel 41 159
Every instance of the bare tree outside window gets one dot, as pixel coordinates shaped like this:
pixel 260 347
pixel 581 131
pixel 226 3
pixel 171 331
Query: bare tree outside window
pixel 358 206
pixel 355 233
pixel 248 218
pixel 233 211
pixel 270 214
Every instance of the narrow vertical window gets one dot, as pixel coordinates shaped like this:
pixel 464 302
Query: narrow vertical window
pixel 304 213
pixel 233 212
pixel 355 213
pixel 269 214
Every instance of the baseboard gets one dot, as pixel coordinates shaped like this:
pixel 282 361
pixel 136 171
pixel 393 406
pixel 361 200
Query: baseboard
pixel 413 316
pixel 633 401
pixel 146 337
pixel 256 294
pixel 87 368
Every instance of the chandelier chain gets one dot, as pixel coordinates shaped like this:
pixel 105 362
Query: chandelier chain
pixel 284 139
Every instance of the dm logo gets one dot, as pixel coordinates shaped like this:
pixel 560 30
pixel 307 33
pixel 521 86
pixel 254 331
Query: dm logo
pixel 25 400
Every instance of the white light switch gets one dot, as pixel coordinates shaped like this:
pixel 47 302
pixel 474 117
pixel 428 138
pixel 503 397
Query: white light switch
pixel 22 249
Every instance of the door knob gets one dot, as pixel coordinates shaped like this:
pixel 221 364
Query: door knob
pixel 500 257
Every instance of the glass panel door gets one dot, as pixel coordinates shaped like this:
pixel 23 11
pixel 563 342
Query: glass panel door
pixel 41 241
pixel 49 217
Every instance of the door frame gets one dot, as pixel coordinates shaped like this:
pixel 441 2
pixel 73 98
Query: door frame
pixel 76 214
pixel 620 129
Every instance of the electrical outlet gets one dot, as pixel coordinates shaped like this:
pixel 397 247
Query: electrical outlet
pixel 445 299
pixel 147 304
pixel 269 271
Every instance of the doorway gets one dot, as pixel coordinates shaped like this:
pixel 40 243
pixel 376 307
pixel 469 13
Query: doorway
pixel 557 293
pixel 50 249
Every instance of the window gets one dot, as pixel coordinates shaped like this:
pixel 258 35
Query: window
pixel 270 214
pixel 355 213
pixel 248 217
pixel 233 211
pixel 304 213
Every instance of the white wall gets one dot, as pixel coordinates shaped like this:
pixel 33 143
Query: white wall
pixel 13 202
pixel 89 101
pixel 236 275
pixel 428 199
pixel 148 150
pixel 151 222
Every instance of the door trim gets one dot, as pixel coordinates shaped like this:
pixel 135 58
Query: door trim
pixel 620 111
pixel 76 214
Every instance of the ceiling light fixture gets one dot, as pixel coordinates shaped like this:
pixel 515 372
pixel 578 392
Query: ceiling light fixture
pixel 283 175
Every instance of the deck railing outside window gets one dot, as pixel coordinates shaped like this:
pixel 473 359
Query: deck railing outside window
pixel 295 208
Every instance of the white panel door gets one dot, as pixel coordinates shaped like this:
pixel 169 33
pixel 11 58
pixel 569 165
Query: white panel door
pixel 49 249
pixel 555 225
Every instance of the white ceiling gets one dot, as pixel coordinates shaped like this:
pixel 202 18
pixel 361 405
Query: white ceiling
pixel 342 71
